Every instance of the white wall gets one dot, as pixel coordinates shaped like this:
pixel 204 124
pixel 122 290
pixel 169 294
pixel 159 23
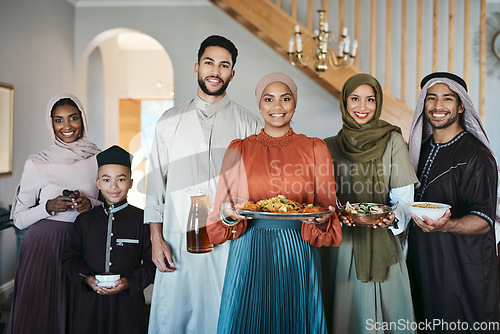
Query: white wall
pixel 95 88
pixel 142 70
pixel 492 96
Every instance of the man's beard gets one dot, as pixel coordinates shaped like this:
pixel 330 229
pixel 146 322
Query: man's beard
pixel 449 122
pixel 218 92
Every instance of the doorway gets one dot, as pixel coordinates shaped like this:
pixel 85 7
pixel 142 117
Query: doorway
pixel 130 79
pixel 137 120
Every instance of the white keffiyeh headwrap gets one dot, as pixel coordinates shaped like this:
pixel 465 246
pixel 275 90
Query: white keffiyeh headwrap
pixel 421 129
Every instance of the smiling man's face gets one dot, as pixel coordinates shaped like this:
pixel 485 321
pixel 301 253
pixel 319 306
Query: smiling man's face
pixel 214 71
pixel 442 106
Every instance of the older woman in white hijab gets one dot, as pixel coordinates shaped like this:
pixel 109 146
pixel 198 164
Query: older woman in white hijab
pixel 68 166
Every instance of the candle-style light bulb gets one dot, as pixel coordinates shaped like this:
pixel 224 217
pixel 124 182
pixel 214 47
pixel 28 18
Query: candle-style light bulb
pixel 297 28
pixel 344 32
pixel 354 48
pixel 290 45
pixel 341 48
pixel 326 26
pixel 299 43
pixel 347 42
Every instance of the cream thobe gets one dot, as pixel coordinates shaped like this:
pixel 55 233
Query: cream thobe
pixel 188 148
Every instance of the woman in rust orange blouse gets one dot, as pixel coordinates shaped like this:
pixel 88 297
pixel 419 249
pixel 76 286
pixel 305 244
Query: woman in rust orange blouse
pixel 272 282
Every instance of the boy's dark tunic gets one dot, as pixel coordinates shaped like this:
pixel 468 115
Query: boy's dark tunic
pixel 454 277
pixel 129 246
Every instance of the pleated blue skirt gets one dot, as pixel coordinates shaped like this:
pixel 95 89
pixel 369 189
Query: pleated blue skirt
pixel 272 282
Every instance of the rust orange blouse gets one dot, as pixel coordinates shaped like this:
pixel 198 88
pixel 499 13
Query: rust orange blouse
pixel 260 167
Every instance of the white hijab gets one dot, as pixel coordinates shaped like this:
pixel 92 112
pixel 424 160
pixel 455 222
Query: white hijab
pixel 61 152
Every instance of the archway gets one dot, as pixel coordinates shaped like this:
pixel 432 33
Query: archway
pixel 128 81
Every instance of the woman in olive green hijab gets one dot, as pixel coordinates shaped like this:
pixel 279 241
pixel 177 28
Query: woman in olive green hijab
pixel 372 164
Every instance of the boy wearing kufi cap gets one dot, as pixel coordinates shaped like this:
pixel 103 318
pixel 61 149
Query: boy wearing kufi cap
pixel 111 238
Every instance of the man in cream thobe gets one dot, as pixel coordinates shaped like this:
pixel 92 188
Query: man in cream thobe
pixel 188 148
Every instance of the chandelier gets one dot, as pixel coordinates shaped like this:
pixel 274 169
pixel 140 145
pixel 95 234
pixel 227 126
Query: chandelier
pixel 320 53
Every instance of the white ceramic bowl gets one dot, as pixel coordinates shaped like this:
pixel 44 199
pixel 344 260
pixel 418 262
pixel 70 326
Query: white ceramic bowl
pixel 432 213
pixel 107 280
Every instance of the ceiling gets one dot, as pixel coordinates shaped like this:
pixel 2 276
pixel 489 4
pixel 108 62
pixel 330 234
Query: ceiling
pixel 152 3
pixel 137 3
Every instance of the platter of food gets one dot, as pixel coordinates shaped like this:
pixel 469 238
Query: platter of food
pixel 367 214
pixel 430 209
pixel 281 208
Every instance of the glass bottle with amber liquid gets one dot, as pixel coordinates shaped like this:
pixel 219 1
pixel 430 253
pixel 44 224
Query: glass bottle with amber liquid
pixel 197 236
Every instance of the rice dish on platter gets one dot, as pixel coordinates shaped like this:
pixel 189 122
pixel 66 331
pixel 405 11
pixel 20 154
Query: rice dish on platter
pixel 278 204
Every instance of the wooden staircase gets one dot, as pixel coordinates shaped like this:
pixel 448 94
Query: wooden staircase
pixel 275 27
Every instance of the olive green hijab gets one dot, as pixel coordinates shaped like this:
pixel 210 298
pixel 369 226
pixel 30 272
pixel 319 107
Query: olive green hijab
pixel 364 144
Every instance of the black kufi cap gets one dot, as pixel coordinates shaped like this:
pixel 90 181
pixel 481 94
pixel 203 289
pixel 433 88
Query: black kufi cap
pixel 447 75
pixel 115 155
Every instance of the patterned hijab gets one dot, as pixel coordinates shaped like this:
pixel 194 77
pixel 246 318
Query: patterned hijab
pixel 364 144
pixel 59 151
